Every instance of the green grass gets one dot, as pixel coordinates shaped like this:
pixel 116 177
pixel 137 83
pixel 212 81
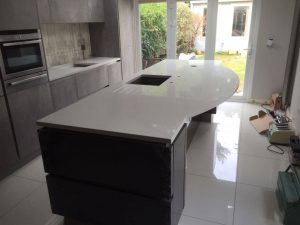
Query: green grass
pixel 235 62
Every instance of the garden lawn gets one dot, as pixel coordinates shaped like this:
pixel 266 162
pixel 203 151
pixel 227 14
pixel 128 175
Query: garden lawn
pixel 235 62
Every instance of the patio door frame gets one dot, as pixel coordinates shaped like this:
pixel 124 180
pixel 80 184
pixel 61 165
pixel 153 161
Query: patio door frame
pixel 210 42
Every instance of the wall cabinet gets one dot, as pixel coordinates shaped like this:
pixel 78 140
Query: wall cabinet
pixel 96 11
pixel 18 15
pixel 26 107
pixel 8 151
pixel 70 11
pixel 43 11
pixel 64 92
pixel 114 72
pixel 91 81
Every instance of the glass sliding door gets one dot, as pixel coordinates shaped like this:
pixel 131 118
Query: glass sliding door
pixel 232 37
pixel 200 30
pixel 191 29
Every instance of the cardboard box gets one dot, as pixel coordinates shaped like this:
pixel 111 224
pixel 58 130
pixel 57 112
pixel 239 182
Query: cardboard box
pixel 261 121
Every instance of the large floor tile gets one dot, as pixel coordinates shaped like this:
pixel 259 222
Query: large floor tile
pixel 255 206
pixel 34 210
pixel 205 136
pixel 256 145
pixel 33 170
pixel 13 190
pixel 209 199
pixel 259 171
pixel 219 163
pixel 186 220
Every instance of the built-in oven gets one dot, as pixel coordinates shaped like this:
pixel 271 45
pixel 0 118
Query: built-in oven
pixel 21 53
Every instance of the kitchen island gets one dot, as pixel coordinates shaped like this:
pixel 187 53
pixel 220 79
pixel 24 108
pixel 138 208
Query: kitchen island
pixel 118 156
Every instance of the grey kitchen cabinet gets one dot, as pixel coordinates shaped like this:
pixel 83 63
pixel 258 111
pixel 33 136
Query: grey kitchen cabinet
pixel 96 11
pixel 18 15
pixel 68 11
pixel 64 92
pixel 26 107
pixel 91 81
pixel 8 151
pixel 1 90
pixel 114 72
pixel 43 11
pixel 72 11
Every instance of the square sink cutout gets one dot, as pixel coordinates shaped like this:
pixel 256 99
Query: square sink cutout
pixel 153 80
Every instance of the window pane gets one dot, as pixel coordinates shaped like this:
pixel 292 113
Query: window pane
pixel 239 21
pixel 153 17
pixel 233 24
pixel 191 29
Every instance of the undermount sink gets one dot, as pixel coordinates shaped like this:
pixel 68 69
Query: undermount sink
pixel 153 80
pixel 83 64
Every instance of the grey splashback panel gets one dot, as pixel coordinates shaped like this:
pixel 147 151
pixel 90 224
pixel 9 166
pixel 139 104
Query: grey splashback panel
pixel 62 42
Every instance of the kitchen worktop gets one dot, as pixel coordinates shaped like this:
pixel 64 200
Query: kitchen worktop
pixel 61 71
pixel 150 112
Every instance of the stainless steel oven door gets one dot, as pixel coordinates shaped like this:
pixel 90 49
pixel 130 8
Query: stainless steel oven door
pixel 21 58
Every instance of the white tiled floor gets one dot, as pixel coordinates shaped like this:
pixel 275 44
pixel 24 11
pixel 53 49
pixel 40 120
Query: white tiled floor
pixel 231 178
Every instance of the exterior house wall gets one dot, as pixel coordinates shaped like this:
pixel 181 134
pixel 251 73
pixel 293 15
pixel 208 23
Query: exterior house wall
pixel 224 40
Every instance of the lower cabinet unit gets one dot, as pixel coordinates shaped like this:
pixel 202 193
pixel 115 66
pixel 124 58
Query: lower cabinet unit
pixel 112 180
pixel 91 81
pixel 64 92
pixel 26 106
pixel 8 151
pixel 114 72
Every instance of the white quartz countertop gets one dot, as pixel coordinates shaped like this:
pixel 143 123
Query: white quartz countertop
pixel 61 71
pixel 150 112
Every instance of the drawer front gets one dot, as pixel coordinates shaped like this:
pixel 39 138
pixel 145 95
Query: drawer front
pixel 114 73
pixel 91 81
pixel 64 92
pixel 98 205
pixel 134 166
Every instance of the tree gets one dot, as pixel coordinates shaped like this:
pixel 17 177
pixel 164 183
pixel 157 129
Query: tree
pixel 154 26
pixel 153 29
pixel 185 28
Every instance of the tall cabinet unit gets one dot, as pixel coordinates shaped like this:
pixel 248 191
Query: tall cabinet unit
pixel 28 103
pixel 8 152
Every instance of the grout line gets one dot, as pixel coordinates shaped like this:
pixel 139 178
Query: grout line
pixel 263 157
pixel 55 220
pixel 235 191
pixel 23 199
pixel 206 220
pixel 255 185
pixel 27 178
pixel 208 177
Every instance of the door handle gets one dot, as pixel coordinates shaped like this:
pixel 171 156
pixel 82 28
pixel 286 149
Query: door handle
pixel 27 80
pixel 22 43
pixel 249 50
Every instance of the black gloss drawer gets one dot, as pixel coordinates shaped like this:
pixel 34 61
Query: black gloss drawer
pixel 133 166
pixel 99 205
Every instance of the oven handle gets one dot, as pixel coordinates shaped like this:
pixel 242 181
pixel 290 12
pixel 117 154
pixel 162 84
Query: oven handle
pixel 22 43
pixel 27 80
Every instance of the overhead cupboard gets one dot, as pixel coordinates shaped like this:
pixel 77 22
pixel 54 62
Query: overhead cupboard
pixel 70 11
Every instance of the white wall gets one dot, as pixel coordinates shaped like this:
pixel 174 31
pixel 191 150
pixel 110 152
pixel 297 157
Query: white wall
pixel 269 71
pixel 295 106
